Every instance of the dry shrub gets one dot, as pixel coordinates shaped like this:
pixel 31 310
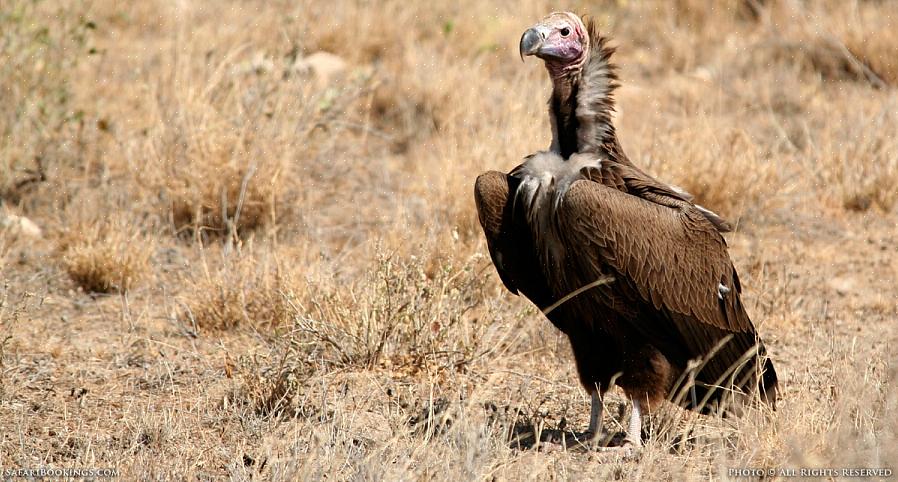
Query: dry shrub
pixel 222 198
pixel 268 386
pixel 243 290
pixel 105 257
pixel 9 317
pixel 403 315
pixel 402 318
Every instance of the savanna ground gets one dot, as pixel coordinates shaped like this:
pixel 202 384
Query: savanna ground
pixel 256 266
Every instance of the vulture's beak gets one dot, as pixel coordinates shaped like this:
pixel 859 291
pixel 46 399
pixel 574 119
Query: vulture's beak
pixel 531 41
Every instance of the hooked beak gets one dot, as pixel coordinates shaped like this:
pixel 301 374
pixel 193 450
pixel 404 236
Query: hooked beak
pixel 531 41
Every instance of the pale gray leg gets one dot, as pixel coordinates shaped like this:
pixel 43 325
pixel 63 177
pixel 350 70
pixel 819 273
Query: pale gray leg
pixel 632 444
pixel 634 432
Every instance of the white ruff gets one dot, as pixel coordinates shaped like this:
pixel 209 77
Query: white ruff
pixel 545 179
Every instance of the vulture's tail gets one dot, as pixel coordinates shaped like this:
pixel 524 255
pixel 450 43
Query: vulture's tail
pixel 768 384
pixel 744 376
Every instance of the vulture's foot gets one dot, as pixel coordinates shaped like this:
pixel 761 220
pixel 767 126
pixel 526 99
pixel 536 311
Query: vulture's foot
pixel 599 439
pixel 628 451
pixel 631 446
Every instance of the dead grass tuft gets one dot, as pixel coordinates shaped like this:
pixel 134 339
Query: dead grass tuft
pixel 271 383
pixel 724 168
pixel 106 257
pixel 241 145
pixel 406 112
pixel 240 291
pixel 863 173
pixel 220 199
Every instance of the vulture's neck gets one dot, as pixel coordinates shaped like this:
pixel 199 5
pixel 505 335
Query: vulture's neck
pixel 563 113
pixel 582 105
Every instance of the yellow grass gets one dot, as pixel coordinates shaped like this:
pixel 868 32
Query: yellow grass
pixel 298 284
pixel 106 257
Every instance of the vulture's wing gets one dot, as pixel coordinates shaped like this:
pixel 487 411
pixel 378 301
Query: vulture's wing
pixel 493 210
pixel 509 238
pixel 668 255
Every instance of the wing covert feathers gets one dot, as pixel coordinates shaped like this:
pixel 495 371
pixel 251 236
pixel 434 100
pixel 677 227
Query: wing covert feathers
pixel 674 257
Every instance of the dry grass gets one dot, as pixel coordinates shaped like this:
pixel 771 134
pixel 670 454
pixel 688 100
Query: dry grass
pixel 239 291
pixel 301 287
pixel 107 257
pixel 39 120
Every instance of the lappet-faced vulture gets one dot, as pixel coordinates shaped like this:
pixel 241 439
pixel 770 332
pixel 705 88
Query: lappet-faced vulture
pixel 630 268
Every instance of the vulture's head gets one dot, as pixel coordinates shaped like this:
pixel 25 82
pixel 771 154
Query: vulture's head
pixel 560 39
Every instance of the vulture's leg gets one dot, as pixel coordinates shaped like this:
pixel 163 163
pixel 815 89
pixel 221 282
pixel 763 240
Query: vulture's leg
pixel 633 442
pixel 634 432
pixel 595 417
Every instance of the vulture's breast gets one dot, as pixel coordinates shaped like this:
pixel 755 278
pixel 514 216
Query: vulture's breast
pixel 545 178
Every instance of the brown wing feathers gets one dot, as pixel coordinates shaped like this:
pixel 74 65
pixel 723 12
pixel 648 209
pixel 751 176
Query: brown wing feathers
pixel 673 260
pixel 676 258
pixel 491 198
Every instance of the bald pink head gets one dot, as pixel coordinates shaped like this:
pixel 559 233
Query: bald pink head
pixel 560 39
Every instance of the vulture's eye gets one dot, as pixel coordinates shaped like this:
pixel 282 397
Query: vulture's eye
pixel 565 32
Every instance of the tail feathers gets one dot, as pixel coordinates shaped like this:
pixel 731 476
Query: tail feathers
pixel 708 397
pixel 768 385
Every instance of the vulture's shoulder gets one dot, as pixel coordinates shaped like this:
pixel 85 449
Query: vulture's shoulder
pixel 643 185
pixel 629 179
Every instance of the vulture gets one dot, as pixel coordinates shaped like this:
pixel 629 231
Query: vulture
pixel 634 272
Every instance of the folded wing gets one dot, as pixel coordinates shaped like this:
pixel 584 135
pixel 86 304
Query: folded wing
pixel 670 260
